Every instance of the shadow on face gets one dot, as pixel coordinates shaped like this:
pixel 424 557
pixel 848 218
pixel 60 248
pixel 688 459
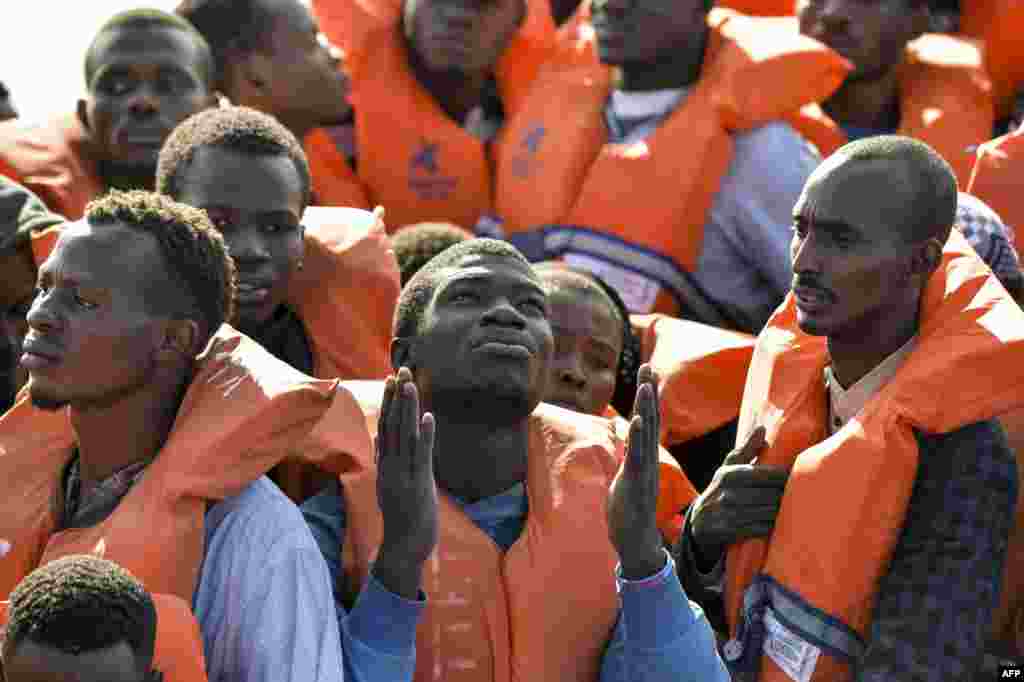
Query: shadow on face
pixel 485 343
pixel 145 80
pixel 646 31
pixel 462 36
pixel 256 201
pixel 33 662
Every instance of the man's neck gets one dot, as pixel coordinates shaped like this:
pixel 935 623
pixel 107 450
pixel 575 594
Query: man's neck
pixel 854 358
pixel 474 461
pixel 871 103
pixel 678 69
pixel 132 430
pixel 457 93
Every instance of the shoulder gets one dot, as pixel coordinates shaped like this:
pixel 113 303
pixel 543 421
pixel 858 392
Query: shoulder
pixel 975 459
pixel 261 518
pixel 772 157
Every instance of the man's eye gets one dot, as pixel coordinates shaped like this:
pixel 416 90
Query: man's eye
pixel 115 86
pixel 463 297
pixel 533 305
pixel 84 301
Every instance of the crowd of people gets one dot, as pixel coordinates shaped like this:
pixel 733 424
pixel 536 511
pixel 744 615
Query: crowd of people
pixel 482 341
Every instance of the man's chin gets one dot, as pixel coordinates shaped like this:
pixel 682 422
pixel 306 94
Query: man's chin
pixel 811 325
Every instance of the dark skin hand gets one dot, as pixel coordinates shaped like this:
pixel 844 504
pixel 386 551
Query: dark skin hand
pixel 741 502
pixel 633 501
pixel 406 491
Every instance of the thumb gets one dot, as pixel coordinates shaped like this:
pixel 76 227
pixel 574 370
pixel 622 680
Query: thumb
pixel 748 452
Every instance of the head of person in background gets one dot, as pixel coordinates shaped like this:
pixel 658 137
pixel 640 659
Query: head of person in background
pixel 415 245
pixel 652 44
pixel 597 355
pixel 250 175
pixel 871 35
pixel 992 239
pixel 21 215
pixel 146 71
pixel 271 56
pixel 7 108
pixel 80 618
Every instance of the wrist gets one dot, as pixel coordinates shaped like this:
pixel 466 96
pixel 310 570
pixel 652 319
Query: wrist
pixel 398 573
pixel 643 563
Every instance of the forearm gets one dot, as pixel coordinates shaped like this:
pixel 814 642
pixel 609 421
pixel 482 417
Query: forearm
pixel 660 635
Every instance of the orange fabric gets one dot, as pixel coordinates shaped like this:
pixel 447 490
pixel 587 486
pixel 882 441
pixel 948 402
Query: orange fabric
pixel 52 161
pixel 999 23
pixel 334 181
pixel 945 101
pixel 421 165
pixel 244 412
pixel 345 296
pixel 649 193
pixel 865 472
pixel 998 177
pixel 179 647
pixel 490 616
pixel 701 371
pixel 761 8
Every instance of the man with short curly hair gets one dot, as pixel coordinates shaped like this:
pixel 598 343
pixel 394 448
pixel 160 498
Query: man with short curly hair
pixel 80 614
pixel 159 424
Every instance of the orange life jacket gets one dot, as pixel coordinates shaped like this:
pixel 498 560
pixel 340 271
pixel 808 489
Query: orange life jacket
pixel 52 161
pixel 971 336
pixel 675 491
pixel 490 616
pixel 178 653
pixel 345 295
pixel 760 8
pixel 418 163
pixel 244 412
pixel 701 371
pixel 945 101
pixel 593 205
pixel 998 177
pixel 999 24
pixel 334 181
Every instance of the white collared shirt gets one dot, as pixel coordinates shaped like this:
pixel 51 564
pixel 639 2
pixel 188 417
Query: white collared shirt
pixel 846 403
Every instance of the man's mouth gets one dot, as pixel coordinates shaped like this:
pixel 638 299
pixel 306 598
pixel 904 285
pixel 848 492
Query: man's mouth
pixel 252 293
pixel 811 298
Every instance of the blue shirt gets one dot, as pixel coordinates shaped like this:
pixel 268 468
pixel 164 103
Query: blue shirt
pixel 660 636
pixel 265 608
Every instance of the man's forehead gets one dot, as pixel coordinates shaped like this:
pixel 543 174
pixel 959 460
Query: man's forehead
pixel 111 241
pixel 142 41
pixel 855 191
pixel 489 267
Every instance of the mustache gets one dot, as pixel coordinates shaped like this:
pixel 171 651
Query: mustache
pixel 808 282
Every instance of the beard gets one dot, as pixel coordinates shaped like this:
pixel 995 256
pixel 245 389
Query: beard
pixel 101 399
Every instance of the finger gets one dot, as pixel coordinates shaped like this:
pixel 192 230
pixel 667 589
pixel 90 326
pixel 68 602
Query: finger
pixel 410 425
pixel 746 476
pixel 746 453
pixel 385 410
pixel 743 498
pixel 755 530
pixel 424 460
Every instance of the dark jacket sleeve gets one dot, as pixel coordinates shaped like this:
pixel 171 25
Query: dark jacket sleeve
pixel 21 212
pixel 703 584
pixel 935 605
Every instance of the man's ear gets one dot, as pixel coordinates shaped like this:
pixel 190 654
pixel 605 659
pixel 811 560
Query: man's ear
pixel 402 353
pixel 82 112
pixel 181 337
pixel 927 258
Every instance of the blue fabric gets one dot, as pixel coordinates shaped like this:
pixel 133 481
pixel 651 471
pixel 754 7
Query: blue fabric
pixel 660 636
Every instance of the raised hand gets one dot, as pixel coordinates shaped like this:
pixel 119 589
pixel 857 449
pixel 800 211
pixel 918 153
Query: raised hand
pixel 633 501
pixel 405 487
pixel 741 501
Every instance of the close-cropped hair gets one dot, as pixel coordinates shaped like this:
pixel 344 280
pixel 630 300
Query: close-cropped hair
pixel 193 250
pixel 418 292
pixel 930 179
pixel 150 19
pixel 80 604
pixel 238 129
